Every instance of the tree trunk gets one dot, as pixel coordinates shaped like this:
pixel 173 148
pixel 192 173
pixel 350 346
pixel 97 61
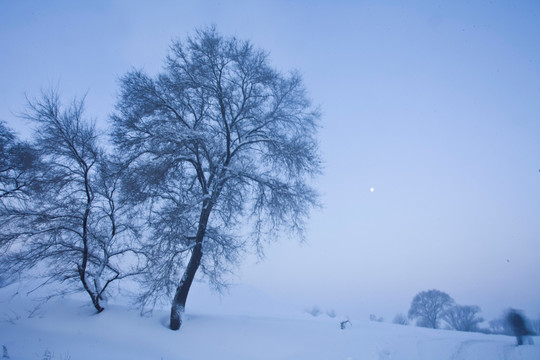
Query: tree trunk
pixel 180 297
pixel 94 297
pixel 82 267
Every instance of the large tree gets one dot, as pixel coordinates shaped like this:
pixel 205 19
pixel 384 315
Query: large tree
pixel 428 306
pixel 69 228
pixel 216 143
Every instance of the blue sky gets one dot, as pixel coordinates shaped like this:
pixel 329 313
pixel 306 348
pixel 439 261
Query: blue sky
pixel 434 104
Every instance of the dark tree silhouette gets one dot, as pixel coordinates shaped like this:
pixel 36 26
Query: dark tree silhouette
pixel 517 323
pixel 428 306
pixel 70 222
pixel 218 142
pixel 463 317
pixel 19 164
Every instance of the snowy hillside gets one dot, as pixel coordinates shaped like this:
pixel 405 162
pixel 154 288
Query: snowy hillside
pixel 68 329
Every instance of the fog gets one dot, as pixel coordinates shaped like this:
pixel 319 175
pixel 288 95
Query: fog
pixel 433 105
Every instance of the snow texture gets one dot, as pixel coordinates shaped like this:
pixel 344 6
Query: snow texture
pixel 214 328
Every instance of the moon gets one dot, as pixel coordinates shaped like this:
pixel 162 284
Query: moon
pixel 372 189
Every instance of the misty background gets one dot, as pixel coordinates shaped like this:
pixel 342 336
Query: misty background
pixel 434 105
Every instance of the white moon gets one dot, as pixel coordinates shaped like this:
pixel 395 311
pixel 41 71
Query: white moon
pixel 372 189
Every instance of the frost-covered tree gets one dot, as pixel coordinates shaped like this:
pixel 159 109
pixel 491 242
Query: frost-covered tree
pixel 70 228
pixel 463 317
pixel 19 164
pixel 17 174
pixel 428 306
pixel 217 143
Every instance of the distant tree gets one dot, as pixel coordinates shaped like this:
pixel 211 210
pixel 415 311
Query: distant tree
pixel 520 326
pixel 463 317
pixel 502 326
pixel 428 306
pixel 218 143
pixel 373 317
pixel 400 319
pixel 70 228
pixel 314 311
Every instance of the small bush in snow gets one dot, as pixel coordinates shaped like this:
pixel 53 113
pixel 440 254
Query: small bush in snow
pixel 345 324
pixel 374 317
pixel 47 355
pixel 400 319
pixel 331 313
pixel 314 311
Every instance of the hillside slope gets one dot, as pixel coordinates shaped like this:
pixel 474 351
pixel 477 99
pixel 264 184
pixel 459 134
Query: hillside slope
pixel 68 329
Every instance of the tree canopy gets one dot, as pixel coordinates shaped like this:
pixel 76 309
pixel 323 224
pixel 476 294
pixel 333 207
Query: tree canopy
pixel 428 306
pixel 217 143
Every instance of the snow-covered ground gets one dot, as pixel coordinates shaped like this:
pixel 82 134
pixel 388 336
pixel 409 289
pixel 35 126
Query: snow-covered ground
pixel 243 325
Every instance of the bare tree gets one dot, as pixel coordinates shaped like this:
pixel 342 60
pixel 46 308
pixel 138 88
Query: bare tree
pixel 463 317
pixel 400 319
pixel 218 142
pixel 428 307
pixel 17 165
pixel 18 176
pixel 71 222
